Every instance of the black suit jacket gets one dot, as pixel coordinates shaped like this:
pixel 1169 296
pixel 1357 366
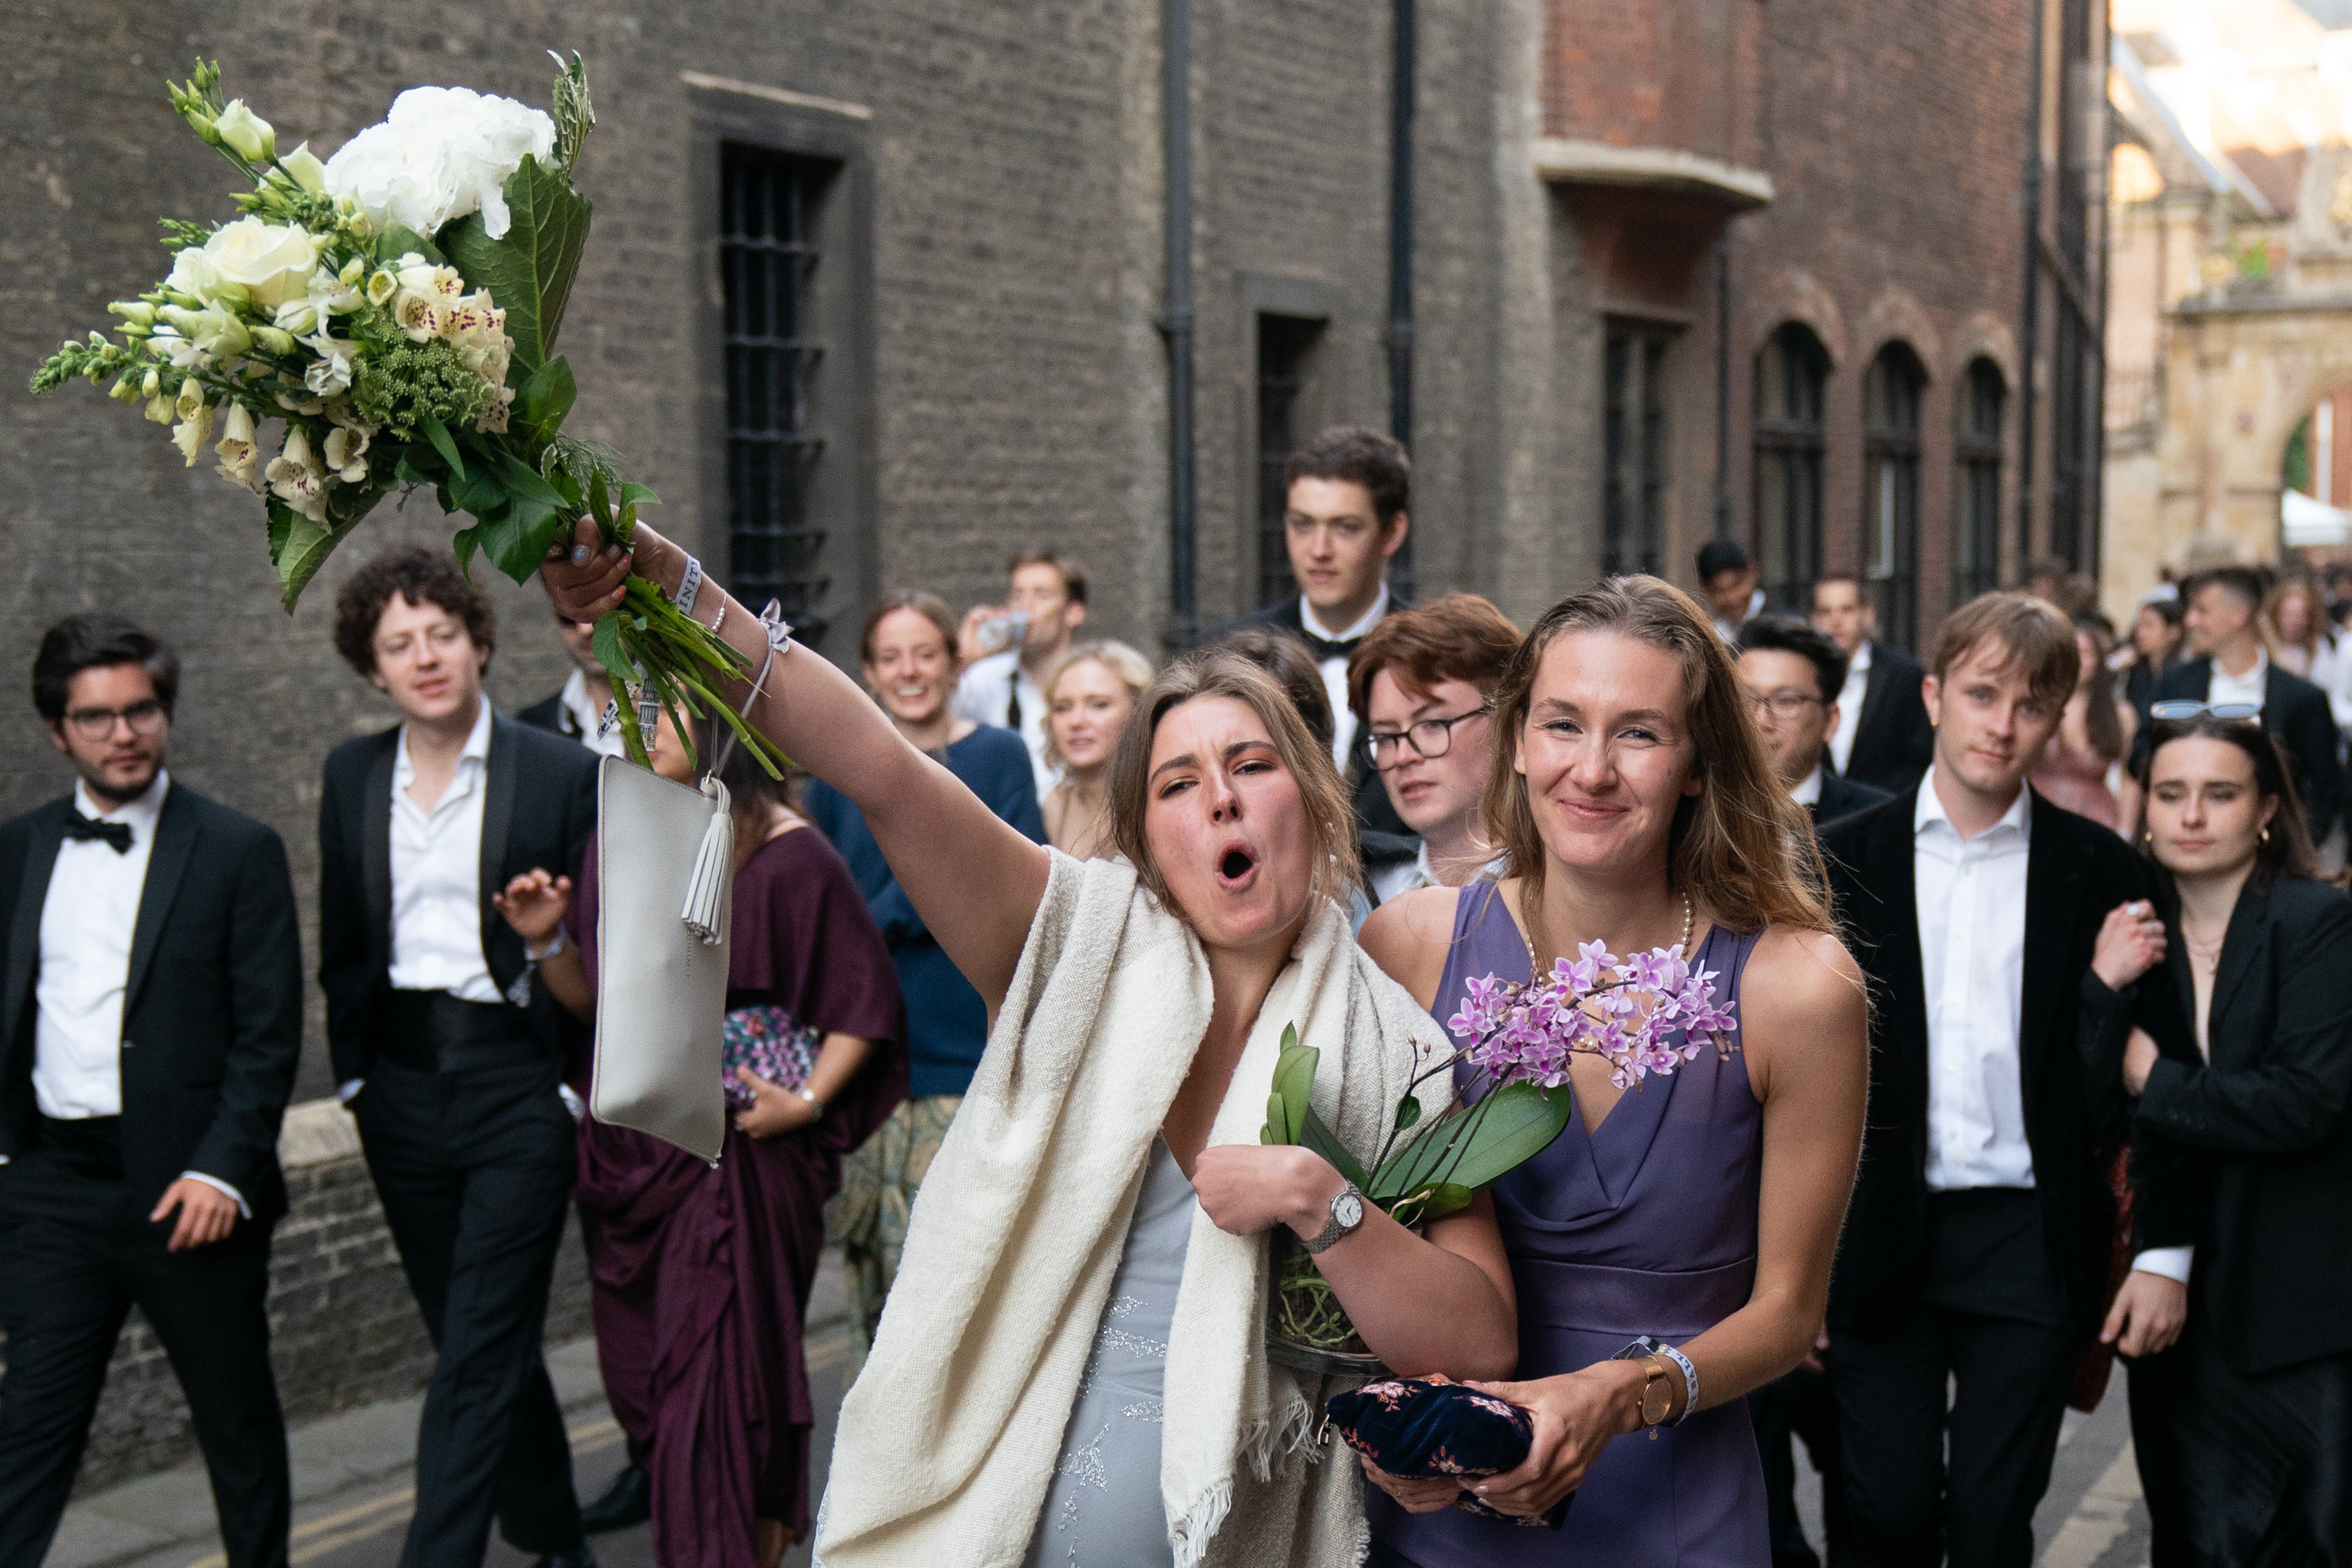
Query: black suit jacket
pixel 1373 811
pixel 212 1007
pixel 2296 714
pixel 538 812
pixel 2249 1158
pixel 553 715
pixel 1893 742
pixel 2075 872
pixel 1841 798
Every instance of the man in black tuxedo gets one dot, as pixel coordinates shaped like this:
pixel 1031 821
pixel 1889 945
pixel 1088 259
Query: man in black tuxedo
pixel 2230 664
pixel 153 1017
pixel 1792 675
pixel 1882 738
pixel 577 708
pixel 1345 515
pixel 1977 1246
pixel 444 1041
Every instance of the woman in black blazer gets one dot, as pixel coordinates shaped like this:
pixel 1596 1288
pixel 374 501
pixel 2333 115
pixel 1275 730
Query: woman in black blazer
pixel 2232 1031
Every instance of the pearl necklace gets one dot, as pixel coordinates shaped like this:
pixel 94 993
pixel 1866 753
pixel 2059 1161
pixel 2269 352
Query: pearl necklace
pixel 1681 943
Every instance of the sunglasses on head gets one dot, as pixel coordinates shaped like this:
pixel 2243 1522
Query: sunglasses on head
pixel 2189 707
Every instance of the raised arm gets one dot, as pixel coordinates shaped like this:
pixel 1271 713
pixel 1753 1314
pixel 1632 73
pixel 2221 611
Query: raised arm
pixel 974 880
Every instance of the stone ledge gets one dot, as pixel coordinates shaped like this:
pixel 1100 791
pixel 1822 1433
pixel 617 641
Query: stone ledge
pixel 1562 162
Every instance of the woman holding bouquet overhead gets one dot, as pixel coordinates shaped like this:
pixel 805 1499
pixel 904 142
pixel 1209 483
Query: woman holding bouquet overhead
pixel 1672 1248
pixel 1073 1361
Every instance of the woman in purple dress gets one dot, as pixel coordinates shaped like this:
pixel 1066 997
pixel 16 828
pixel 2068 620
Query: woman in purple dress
pixel 1672 1248
pixel 699 1276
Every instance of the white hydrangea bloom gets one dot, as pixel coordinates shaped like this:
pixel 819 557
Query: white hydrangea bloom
pixel 442 153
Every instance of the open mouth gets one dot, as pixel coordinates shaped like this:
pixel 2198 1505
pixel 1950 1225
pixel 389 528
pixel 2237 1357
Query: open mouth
pixel 1234 866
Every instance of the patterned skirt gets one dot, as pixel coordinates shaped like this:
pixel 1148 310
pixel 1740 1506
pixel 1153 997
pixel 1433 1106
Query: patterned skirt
pixel 868 1215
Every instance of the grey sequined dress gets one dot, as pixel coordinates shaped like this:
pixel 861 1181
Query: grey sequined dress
pixel 1103 1510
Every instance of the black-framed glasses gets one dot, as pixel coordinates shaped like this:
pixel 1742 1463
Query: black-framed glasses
pixel 145 718
pixel 2190 708
pixel 1429 738
pixel 1784 704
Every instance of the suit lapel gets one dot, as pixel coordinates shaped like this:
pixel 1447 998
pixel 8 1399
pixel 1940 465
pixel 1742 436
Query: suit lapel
pixel 498 813
pixel 375 851
pixel 1874 697
pixel 2054 870
pixel 2245 948
pixel 32 895
pixel 175 840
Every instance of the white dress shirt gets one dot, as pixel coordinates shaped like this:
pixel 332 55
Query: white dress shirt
pixel 436 875
pixel 1809 791
pixel 1848 706
pixel 1335 670
pixel 87 921
pixel 1729 630
pixel 1971 905
pixel 2247 688
pixel 984 695
pixel 590 718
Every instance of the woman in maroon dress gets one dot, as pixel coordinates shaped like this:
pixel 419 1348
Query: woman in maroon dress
pixel 700 1277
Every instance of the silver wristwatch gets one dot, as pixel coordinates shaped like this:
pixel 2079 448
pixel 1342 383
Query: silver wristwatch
pixel 1347 1213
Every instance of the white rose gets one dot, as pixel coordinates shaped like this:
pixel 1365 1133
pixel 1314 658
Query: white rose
pixel 308 172
pixel 442 153
pixel 246 133
pixel 192 274
pixel 272 261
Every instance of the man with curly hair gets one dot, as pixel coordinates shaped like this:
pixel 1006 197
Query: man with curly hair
pixel 444 1041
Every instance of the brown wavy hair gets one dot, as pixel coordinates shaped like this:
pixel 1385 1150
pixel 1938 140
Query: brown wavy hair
pixel 1741 843
pixel 1222 672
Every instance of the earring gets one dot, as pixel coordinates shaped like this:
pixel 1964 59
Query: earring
pixel 2266 835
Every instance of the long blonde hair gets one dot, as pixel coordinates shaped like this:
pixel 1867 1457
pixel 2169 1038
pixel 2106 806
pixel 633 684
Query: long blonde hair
pixel 1220 672
pixel 1131 669
pixel 1741 843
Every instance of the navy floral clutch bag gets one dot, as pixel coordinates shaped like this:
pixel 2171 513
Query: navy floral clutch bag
pixel 1425 1427
pixel 773 1044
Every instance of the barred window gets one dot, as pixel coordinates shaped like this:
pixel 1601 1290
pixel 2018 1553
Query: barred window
pixel 768 259
pixel 1633 446
pixel 1284 346
pixel 1976 451
pixel 1792 379
pixel 1890 506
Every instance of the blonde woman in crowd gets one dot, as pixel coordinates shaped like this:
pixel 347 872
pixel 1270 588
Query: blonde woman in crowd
pixel 1089 691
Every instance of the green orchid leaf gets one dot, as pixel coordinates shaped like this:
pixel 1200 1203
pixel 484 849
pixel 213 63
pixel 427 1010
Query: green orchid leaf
pixel 1501 1132
pixel 1314 1134
pixel 543 401
pixel 528 270
pixel 1407 1112
pixel 1294 1078
pixel 437 435
pixel 398 240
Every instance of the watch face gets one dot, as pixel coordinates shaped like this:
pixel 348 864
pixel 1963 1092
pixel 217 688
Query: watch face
pixel 1348 1210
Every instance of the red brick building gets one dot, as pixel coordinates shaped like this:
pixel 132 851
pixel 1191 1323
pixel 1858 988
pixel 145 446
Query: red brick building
pixel 1787 252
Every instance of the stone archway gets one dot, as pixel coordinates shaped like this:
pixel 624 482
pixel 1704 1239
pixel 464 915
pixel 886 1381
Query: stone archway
pixel 2241 374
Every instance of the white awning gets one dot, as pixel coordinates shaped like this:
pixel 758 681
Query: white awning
pixel 2307 521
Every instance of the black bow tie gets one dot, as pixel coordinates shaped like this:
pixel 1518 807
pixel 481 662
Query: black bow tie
pixel 1328 647
pixel 115 832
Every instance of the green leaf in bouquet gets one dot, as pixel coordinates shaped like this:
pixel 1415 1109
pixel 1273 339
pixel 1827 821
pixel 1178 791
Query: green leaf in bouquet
pixel 477 491
pixel 1314 1134
pixel 1294 1077
pixel 1501 1132
pixel 606 645
pixel 542 401
pixel 398 240
pixel 464 543
pixel 1407 1112
pixel 302 548
pixel 419 464
pixel 529 272
pixel 600 501
pixel 437 435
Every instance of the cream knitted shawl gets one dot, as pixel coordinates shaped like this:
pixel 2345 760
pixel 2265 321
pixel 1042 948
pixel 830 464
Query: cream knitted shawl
pixel 948 1441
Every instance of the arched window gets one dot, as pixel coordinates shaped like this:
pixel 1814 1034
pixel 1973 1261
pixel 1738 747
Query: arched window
pixel 1976 456
pixel 1890 501
pixel 1791 375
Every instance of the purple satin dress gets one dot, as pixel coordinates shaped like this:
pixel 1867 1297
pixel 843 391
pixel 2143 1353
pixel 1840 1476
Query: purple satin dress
pixel 1647 1226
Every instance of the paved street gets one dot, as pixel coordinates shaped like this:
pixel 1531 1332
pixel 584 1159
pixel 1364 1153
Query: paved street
pixel 352 1481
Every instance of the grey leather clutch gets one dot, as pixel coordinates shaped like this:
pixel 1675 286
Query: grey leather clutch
pixel 661 990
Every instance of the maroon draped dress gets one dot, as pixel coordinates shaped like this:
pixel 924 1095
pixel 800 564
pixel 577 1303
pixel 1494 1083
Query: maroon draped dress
pixel 699 1276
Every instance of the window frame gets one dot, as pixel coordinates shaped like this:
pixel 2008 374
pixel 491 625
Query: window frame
pixel 1895 393
pixel 1977 459
pixel 1636 443
pixel 1791 450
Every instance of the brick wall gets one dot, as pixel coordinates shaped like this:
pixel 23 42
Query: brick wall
pixel 344 1330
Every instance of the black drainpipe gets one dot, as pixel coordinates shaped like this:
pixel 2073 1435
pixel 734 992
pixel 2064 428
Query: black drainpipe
pixel 1400 335
pixel 1176 136
pixel 2030 317
pixel 1723 381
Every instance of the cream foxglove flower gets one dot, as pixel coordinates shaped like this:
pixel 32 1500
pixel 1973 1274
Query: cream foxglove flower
pixel 295 478
pixel 417 314
pixel 273 262
pixel 193 432
pixel 192 397
pixel 345 448
pixel 442 153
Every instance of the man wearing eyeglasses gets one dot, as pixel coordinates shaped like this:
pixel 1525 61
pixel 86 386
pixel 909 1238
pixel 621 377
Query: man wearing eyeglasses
pixel 1420 684
pixel 2230 670
pixel 1792 676
pixel 154 1016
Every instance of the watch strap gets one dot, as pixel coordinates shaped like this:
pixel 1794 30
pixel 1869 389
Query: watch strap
pixel 1332 1229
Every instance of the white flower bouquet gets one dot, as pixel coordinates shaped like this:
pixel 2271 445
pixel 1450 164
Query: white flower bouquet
pixel 394 310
